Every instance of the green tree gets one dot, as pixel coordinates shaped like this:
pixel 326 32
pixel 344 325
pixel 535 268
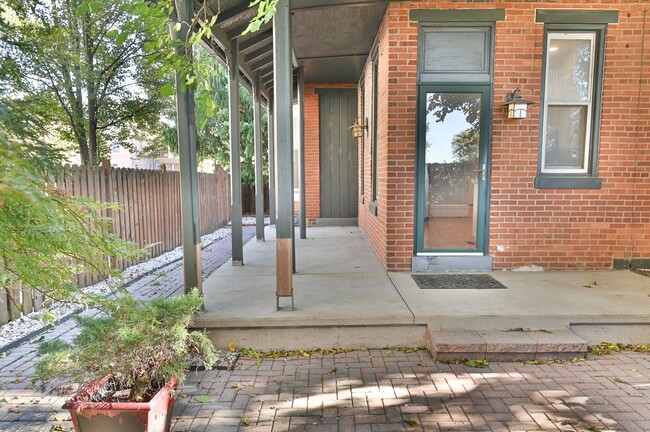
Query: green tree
pixel 212 120
pixel 80 69
pixel 465 144
pixel 47 237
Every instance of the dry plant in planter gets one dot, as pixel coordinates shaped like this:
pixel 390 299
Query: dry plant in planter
pixel 128 354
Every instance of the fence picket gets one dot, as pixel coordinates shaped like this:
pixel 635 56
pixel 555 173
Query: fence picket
pixel 150 202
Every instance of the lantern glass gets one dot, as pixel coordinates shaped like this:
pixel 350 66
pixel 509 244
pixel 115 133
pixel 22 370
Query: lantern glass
pixel 517 110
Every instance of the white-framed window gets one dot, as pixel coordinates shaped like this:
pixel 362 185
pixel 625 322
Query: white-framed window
pixel 568 117
pixel 573 66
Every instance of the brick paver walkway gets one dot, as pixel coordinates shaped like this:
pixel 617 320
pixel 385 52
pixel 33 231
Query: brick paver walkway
pixel 382 390
pixel 374 390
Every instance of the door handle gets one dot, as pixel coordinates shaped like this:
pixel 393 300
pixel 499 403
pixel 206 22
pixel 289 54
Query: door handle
pixel 483 172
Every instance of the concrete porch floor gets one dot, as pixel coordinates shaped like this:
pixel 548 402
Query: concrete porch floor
pixel 345 298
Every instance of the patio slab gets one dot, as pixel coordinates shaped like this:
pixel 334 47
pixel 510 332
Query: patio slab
pixel 341 287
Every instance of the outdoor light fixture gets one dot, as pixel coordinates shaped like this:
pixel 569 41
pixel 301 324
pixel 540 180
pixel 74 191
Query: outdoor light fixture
pixel 358 127
pixel 517 106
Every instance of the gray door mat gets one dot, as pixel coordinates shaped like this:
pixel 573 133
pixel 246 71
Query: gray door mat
pixel 457 281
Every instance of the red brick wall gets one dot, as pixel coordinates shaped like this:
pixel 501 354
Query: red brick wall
pixel 312 149
pixel 552 228
pixel 375 225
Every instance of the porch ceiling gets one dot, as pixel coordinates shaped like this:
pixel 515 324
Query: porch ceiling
pixel 331 38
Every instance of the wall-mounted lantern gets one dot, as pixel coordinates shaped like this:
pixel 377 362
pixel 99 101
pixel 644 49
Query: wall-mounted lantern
pixel 358 127
pixel 517 106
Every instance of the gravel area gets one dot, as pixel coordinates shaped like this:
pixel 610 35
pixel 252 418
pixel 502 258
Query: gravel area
pixel 32 323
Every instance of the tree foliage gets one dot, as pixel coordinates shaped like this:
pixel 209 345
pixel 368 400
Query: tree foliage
pixel 81 68
pixel 212 120
pixel 47 237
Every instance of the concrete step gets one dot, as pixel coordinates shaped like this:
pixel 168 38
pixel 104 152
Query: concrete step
pixel 295 337
pixel 617 332
pixel 506 345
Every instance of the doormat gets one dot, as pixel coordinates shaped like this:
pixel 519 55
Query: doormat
pixel 457 281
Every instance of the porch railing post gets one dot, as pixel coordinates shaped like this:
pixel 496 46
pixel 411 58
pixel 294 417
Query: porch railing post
pixel 283 89
pixel 186 127
pixel 235 154
pixel 259 158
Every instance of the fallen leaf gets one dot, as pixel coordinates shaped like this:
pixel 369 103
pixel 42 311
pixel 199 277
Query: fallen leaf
pixel 422 364
pixel 587 286
pixel 388 353
pixel 618 380
pixel 477 363
pixel 203 399
pixel 545 331
pixel 412 423
pixel 14 410
pixel 232 346
pixel 245 422
pixel 333 370
pixel 6 399
pixel 594 283
pixel 234 386
pixel 183 395
pixel 253 395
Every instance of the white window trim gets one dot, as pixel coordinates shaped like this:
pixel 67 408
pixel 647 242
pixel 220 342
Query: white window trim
pixel 591 36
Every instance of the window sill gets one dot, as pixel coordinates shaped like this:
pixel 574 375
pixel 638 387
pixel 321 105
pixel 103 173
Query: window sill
pixel 567 182
pixel 373 208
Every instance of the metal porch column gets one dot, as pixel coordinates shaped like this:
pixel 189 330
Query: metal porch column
pixel 283 90
pixel 271 133
pixel 301 121
pixel 187 154
pixel 259 158
pixel 235 155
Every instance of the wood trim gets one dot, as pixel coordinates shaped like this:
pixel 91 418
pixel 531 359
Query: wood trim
pixel 284 267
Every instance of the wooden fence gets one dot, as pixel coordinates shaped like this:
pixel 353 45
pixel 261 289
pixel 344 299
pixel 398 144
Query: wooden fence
pixel 248 199
pixel 150 214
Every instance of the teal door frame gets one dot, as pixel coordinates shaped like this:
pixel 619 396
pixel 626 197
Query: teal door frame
pixel 484 158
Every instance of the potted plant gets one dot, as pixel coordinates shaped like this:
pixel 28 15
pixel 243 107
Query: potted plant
pixel 129 360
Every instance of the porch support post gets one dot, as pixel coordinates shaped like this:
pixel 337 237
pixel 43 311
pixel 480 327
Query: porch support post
pixel 235 155
pixel 187 155
pixel 271 133
pixel 301 126
pixel 283 89
pixel 259 158
pixel 272 161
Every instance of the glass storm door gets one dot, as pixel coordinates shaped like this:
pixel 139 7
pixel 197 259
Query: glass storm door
pixel 452 169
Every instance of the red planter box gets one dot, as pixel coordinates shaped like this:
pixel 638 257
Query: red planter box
pixel 152 416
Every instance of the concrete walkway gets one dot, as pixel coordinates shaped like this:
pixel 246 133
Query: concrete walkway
pixel 341 286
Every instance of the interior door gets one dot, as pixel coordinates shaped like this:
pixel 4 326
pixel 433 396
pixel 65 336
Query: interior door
pixel 453 168
pixel 338 154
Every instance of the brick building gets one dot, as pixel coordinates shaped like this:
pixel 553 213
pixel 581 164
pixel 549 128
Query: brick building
pixel 445 180
pixel 459 135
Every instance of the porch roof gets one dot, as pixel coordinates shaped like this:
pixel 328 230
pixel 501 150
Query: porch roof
pixel 331 38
